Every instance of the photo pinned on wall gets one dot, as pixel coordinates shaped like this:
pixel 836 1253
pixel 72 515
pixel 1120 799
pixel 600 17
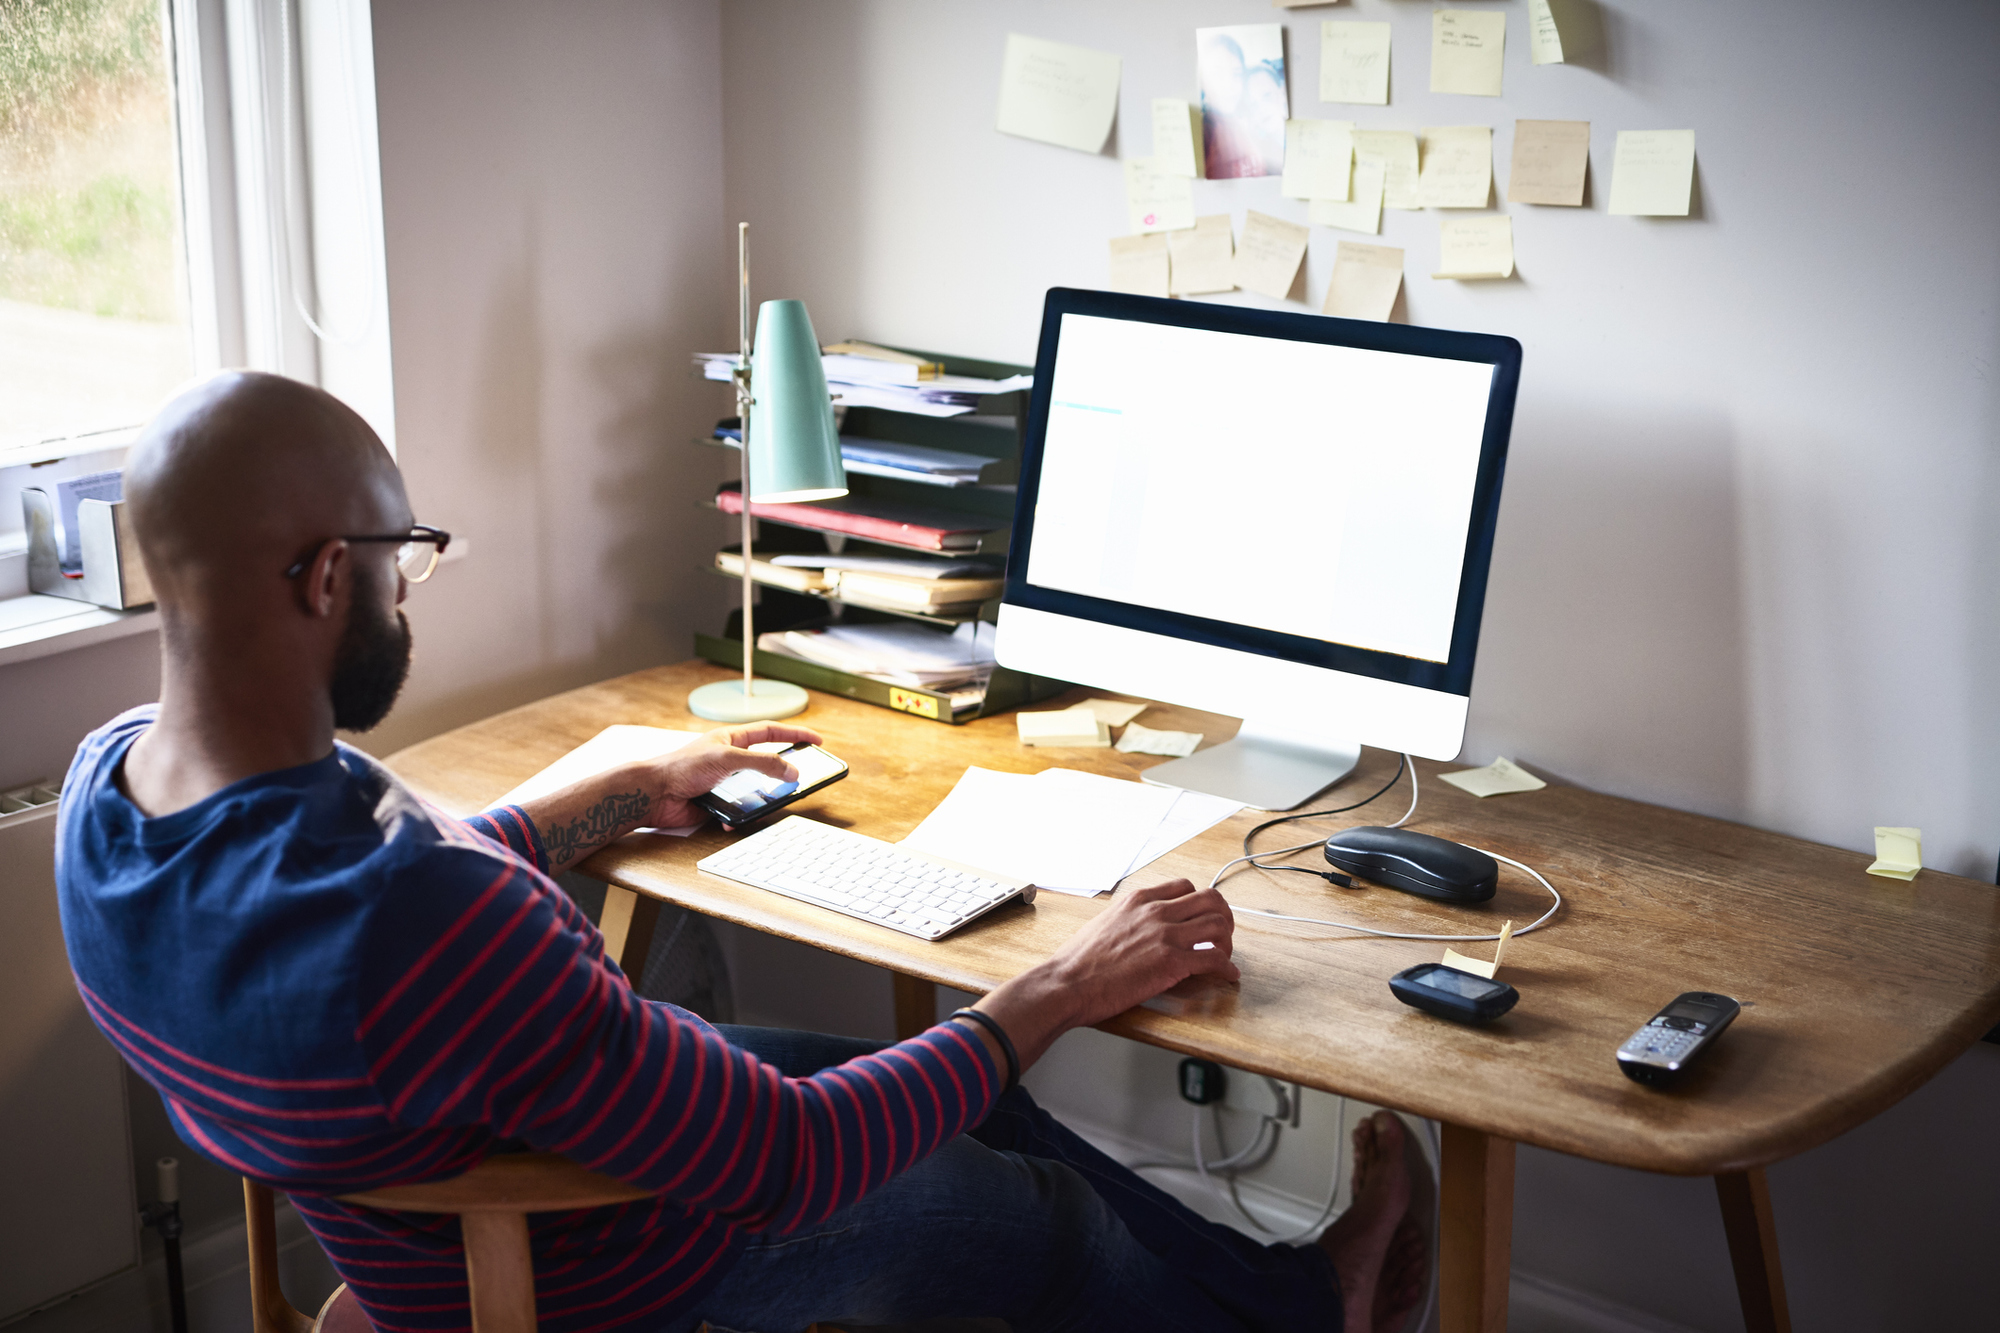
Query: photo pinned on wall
pixel 1243 102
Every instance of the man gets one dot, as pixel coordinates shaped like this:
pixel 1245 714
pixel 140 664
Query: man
pixel 335 987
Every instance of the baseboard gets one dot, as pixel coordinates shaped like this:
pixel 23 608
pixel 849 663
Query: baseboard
pixel 1550 1307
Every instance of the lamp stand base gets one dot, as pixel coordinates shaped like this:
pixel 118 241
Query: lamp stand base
pixel 768 700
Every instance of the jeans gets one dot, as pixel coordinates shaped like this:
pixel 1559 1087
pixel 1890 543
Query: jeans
pixel 1018 1220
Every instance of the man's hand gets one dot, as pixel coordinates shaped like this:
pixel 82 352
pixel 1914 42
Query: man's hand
pixel 654 793
pixel 672 781
pixel 1149 940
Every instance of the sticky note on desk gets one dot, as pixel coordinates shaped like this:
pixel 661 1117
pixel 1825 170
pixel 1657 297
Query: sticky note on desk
pixel 1652 173
pixel 1480 247
pixel 1145 740
pixel 1057 93
pixel 1115 712
pixel 1466 50
pixel 1066 726
pixel 1496 779
pixel 1479 966
pixel 1899 853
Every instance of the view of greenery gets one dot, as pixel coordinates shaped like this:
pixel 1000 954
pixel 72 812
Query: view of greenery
pixel 87 195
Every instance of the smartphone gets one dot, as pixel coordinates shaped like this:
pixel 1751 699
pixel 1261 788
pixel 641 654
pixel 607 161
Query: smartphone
pixel 747 795
pixel 1657 1052
pixel 1450 993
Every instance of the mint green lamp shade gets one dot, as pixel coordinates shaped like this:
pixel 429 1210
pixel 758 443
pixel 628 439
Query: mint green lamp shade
pixel 794 445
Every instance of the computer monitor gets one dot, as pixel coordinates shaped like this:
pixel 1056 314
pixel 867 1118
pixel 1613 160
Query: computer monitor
pixel 1285 518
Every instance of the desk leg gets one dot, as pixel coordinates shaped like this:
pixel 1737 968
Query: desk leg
pixel 627 923
pixel 916 1006
pixel 1753 1249
pixel 1476 1231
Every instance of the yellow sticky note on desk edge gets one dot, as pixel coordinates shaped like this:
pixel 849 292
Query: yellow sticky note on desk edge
pixel 1498 778
pixel 1476 966
pixel 1899 853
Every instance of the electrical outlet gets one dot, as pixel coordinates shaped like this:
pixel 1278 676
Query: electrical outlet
pixel 1202 1081
pixel 1257 1095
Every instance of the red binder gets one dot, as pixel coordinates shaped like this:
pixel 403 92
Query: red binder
pixel 872 520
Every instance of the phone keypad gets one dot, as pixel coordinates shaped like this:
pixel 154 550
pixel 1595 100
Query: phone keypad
pixel 1664 1041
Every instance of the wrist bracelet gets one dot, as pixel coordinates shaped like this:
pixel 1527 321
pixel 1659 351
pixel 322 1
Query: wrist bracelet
pixel 992 1025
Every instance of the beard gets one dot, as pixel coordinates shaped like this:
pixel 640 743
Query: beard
pixel 370 664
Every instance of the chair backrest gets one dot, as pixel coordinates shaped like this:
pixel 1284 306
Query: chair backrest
pixel 492 1202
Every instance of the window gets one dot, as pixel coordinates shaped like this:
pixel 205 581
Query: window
pixel 94 326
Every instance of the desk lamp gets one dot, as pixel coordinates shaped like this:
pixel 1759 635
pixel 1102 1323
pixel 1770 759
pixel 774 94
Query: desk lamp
pixel 791 453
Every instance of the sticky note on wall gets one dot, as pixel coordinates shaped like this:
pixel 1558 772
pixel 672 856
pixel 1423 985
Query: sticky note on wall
pixel 1354 63
pixel 1551 159
pixel 1269 255
pixel 1365 281
pixel 1396 150
pixel 1466 50
pixel 1155 200
pixel 1361 211
pixel 1203 259
pixel 1139 264
pixel 1544 40
pixel 1652 173
pixel 1458 166
pixel 1899 853
pixel 1057 93
pixel 1475 248
pixel 1177 137
pixel 1319 156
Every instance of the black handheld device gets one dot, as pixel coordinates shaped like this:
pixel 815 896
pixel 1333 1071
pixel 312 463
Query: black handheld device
pixel 1463 997
pixel 1657 1053
pixel 746 795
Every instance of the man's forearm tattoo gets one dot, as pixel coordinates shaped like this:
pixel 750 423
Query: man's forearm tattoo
pixel 598 825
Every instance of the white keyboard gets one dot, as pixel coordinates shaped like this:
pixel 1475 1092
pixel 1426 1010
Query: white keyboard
pixel 864 877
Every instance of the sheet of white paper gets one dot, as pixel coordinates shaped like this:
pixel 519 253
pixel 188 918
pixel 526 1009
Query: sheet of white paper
pixel 607 749
pixel 1061 835
pixel 1145 740
pixel 1193 813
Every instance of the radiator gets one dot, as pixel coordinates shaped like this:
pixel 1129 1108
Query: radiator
pixel 67 1214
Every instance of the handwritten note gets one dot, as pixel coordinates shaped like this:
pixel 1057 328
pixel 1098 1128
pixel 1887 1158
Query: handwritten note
pixel 1140 739
pixel 1498 778
pixel 1365 281
pixel 1269 255
pixel 1458 167
pixel 1139 264
pixel 1551 158
pixel 1475 248
pixel 1899 853
pixel 1652 173
pixel 1466 50
pixel 1203 259
pixel 1177 137
pixel 1319 157
pixel 1156 200
pixel 1354 63
pixel 1057 93
pixel 1361 211
pixel 1396 150
pixel 1543 40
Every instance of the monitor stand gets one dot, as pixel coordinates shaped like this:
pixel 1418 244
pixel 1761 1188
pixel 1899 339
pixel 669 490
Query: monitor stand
pixel 1266 767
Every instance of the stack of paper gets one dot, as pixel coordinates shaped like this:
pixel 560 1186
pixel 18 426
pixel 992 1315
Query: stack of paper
pixel 940 396
pixel 912 655
pixel 1061 829
pixel 890 458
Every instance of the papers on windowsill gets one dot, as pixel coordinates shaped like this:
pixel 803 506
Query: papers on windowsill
pixel 607 749
pixel 1063 830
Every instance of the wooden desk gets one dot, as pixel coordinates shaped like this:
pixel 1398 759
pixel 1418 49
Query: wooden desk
pixel 1856 989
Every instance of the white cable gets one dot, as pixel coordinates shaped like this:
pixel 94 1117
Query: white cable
pixel 1539 922
pixel 1410 764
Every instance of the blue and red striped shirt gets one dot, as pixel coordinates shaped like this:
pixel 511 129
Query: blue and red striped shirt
pixel 336 987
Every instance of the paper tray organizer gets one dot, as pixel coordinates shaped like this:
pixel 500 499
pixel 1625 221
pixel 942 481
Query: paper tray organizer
pixel 113 574
pixel 1007 689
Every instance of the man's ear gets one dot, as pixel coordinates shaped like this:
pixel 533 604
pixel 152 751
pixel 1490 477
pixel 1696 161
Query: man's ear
pixel 323 581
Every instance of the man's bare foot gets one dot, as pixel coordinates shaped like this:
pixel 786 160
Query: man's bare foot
pixel 1358 1242
pixel 1404 1272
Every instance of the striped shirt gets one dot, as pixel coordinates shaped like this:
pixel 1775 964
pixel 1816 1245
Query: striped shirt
pixel 336 987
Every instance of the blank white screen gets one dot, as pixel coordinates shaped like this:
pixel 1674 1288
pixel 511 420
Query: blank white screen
pixel 1309 489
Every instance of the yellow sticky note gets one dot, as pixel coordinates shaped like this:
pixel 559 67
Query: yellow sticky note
pixel 1139 264
pixel 1543 40
pixel 1057 93
pixel 1475 248
pixel 1269 255
pixel 1354 63
pixel 1458 167
pixel 1114 712
pixel 1067 726
pixel 1364 282
pixel 1157 201
pixel 1551 159
pixel 1319 157
pixel 1899 853
pixel 1204 258
pixel 1652 173
pixel 1396 150
pixel 1500 945
pixel 1466 47
pixel 1177 137
pixel 1498 778
pixel 1479 967
pixel 1362 211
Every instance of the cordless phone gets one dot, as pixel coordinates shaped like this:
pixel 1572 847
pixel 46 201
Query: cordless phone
pixel 1657 1052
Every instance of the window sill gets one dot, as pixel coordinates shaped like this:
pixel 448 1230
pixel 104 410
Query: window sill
pixel 37 625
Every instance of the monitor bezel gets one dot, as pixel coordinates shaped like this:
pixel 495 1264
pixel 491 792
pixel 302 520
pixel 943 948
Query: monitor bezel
pixel 1503 354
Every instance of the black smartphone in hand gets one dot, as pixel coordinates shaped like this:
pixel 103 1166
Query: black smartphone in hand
pixel 747 795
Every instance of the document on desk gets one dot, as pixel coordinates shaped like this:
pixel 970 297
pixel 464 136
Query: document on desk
pixel 607 749
pixel 1194 813
pixel 1057 93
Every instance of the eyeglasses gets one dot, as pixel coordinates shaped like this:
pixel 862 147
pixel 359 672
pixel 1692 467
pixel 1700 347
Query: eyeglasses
pixel 417 553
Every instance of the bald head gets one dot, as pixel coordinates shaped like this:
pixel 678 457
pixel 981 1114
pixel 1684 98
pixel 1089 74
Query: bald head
pixel 245 473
